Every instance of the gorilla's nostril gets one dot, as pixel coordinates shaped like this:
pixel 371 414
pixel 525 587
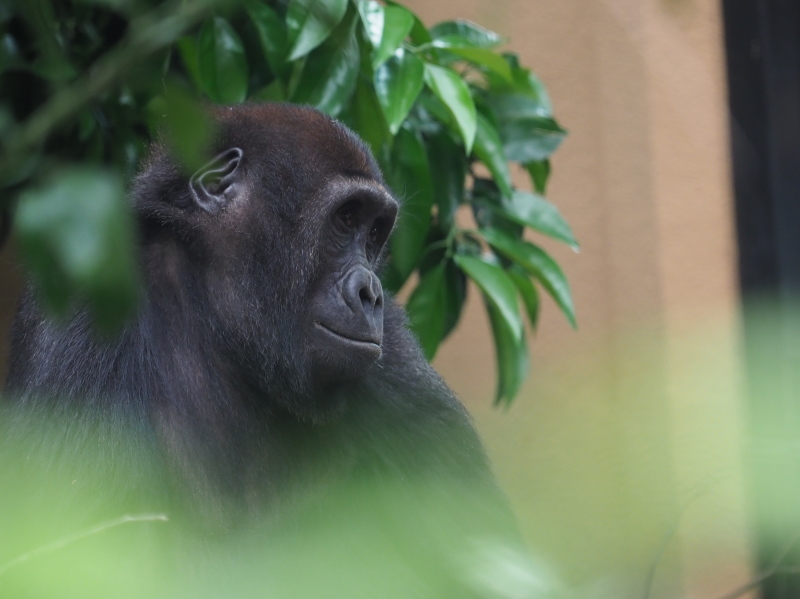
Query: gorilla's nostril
pixel 366 296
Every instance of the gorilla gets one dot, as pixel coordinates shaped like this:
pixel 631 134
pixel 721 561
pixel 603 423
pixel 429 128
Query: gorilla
pixel 266 367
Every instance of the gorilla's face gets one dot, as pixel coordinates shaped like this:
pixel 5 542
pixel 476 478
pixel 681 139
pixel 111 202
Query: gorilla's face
pixel 345 322
pixel 290 220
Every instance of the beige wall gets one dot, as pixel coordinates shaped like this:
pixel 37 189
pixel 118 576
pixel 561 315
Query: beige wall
pixel 629 428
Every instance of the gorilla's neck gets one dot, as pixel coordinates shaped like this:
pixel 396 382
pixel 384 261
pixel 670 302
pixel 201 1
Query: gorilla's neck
pixel 212 428
pixel 160 384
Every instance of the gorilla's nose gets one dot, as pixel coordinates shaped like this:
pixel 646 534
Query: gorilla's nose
pixel 364 295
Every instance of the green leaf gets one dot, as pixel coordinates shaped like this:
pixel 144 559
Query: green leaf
pixel 398 82
pixel 295 72
pixel 372 16
pixel 489 150
pixel 426 310
pixel 272 33
pixel 528 293
pixel 410 178
pixel 512 358
pixel 331 71
pixel 433 106
pixel 466 34
pixel 479 56
pixel 9 53
pixel 534 211
pixel 188 50
pixel 449 169
pixel 365 116
pixel 525 80
pixel 528 131
pixel 512 106
pixel 391 279
pixel 274 92
pixel 538 263
pixel 419 33
pixel 310 22
pixel 497 287
pixel 539 172
pixel 531 139
pixel 524 83
pixel 222 62
pixel 455 287
pixel 486 202
pixel 451 89
pixel 76 233
pixel 188 128
pixel 397 24
pixel 435 305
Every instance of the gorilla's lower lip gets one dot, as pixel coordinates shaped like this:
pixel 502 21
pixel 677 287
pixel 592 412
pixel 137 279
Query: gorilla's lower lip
pixel 366 342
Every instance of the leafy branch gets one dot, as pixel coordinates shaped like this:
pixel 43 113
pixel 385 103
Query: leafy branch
pixel 85 87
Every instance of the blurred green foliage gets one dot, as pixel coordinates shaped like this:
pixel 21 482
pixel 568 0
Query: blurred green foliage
pixel 86 84
pixel 619 494
pixel 94 521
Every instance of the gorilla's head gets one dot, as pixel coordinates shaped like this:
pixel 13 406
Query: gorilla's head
pixel 278 239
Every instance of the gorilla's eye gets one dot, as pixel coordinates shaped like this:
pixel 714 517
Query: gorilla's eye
pixel 376 237
pixel 348 214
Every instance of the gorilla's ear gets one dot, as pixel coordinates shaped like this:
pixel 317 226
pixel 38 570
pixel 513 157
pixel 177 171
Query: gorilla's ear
pixel 216 183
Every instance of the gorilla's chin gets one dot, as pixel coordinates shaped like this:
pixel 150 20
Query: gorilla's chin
pixel 337 357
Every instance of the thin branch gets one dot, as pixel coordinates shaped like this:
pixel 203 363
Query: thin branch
pixel 672 531
pixel 669 535
pixel 769 572
pixel 149 34
pixel 99 528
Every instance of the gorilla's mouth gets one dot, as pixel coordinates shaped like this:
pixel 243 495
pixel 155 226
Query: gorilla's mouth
pixel 368 344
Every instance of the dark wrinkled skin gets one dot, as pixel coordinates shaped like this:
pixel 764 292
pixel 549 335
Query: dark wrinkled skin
pixel 266 366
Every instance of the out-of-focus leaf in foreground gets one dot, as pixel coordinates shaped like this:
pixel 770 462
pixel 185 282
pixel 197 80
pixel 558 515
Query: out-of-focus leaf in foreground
pixel 188 127
pixel 385 537
pixel 75 233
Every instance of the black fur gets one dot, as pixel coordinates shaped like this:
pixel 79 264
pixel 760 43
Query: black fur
pixel 214 378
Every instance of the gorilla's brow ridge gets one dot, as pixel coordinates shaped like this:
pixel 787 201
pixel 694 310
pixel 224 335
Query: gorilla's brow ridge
pixel 348 184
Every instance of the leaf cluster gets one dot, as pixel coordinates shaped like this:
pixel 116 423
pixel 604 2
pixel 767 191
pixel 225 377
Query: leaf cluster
pixel 84 86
